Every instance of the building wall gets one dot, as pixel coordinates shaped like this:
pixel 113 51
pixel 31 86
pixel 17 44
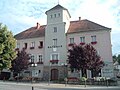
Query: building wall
pixel 36 51
pixel 103 47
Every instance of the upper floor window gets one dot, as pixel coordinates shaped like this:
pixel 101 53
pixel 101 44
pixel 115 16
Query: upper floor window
pixel 55 29
pixel 41 44
pixel 25 46
pixel 40 58
pixel 32 57
pixel 55 56
pixel 82 39
pixel 71 40
pixel 32 45
pixel 93 38
pixel 50 16
pixel 55 15
pixel 58 14
pixel 18 45
pixel 54 42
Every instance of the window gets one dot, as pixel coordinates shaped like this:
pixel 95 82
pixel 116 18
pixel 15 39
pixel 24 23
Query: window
pixel 71 40
pixel 40 58
pixel 93 38
pixel 58 14
pixel 41 44
pixel 55 15
pixel 25 46
pixel 54 42
pixel 50 16
pixel 32 58
pixel 18 45
pixel 54 56
pixel 32 45
pixel 55 29
pixel 82 39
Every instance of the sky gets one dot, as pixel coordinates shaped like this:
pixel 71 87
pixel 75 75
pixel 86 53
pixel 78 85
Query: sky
pixel 20 15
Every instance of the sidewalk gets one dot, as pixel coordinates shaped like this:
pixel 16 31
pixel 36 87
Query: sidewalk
pixel 54 85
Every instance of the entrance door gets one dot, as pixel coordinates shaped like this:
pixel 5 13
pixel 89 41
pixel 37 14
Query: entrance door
pixel 54 74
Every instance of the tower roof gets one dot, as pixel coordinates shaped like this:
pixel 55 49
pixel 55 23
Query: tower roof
pixel 58 7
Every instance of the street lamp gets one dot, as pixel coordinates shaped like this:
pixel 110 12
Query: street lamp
pixel 33 65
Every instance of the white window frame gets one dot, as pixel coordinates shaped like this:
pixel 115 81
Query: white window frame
pixel 18 45
pixel 55 29
pixel 32 58
pixel 71 40
pixel 40 58
pixel 82 39
pixel 54 42
pixel 32 44
pixel 93 38
pixel 55 58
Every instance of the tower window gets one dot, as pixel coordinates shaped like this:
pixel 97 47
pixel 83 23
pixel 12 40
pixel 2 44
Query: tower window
pixel 55 15
pixel 58 14
pixel 55 29
pixel 50 16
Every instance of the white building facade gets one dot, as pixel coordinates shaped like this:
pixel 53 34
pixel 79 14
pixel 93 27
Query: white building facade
pixel 48 44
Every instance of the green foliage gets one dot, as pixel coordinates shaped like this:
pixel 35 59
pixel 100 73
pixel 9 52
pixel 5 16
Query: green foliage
pixel 7 46
pixel 84 57
pixel 21 62
pixel 116 58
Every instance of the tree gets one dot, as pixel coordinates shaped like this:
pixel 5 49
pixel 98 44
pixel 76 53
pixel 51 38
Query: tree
pixel 93 60
pixel 21 62
pixel 76 57
pixel 84 57
pixel 7 46
pixel 116 58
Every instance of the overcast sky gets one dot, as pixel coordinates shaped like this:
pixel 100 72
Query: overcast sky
pixel 19 15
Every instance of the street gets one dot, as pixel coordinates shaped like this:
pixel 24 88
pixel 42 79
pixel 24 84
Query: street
pixel 19 86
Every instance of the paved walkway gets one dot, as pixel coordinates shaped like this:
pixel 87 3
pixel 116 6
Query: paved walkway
pixel 53 85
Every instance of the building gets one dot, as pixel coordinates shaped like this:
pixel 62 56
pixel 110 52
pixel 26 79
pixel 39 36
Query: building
pixel 48 44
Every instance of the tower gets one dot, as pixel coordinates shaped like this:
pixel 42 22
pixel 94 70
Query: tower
pixel 55 37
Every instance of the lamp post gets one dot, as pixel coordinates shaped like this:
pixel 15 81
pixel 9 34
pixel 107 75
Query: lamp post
pixel 33 65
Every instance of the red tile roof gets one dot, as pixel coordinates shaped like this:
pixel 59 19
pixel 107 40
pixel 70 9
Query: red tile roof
pixel 85 25
pixel 75 27
pixel 32 32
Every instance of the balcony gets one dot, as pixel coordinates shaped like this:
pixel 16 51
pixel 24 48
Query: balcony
pixel 82 43
pixel 93 43
pixel 31 47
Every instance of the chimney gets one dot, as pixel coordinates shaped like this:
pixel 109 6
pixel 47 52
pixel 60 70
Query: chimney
pixel 38 26
pixel 79 18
